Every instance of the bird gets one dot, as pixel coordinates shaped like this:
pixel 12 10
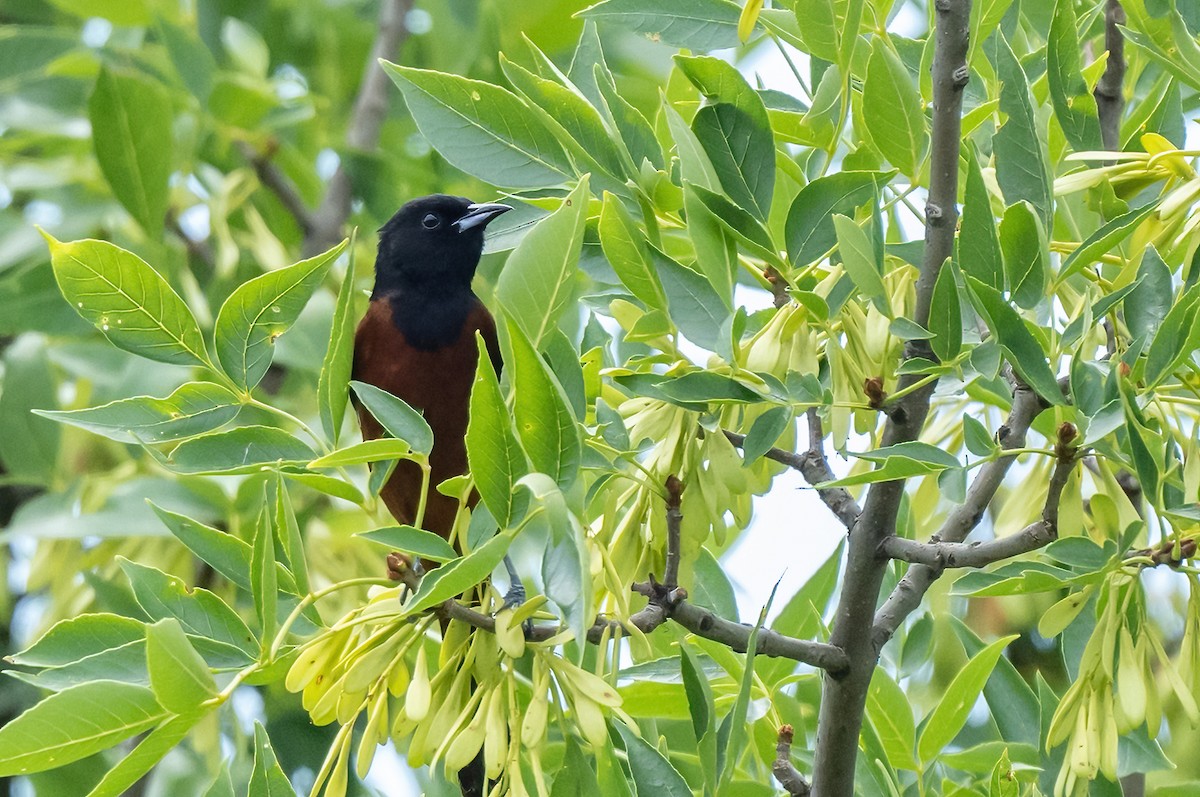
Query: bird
pixel 417 342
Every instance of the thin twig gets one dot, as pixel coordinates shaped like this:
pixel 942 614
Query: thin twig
pixel 907 595
pixel 938 555
pixel 784 770
pixel 674 520
pixel 270 175
pixel 1109 91
pixel 665 603
pixel 814 467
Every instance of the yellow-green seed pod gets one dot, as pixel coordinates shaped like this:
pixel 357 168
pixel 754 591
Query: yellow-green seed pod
pixel 495 741
pixel 590 720
pixel 509 635
pixel 417 699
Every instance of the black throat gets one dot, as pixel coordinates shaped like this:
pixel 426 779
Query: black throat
pixel 430 320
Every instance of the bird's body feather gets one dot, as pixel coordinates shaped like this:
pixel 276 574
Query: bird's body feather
pixel 434 380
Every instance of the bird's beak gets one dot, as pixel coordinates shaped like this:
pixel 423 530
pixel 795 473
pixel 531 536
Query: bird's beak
pixel 479 215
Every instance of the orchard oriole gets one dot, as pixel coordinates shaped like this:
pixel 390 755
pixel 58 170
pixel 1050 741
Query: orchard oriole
pixel 417 342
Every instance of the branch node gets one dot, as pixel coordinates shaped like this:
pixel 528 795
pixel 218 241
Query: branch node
pixel 961 76
pixel 784 770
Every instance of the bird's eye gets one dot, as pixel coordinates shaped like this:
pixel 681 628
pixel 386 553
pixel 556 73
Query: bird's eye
pixel 431 221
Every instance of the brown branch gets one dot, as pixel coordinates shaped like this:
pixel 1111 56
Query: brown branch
pixel 1109 92
pixel 779 286
pixel 784 770
pixel 366 120
pixel 843 698
pixel 323 227
pixel 666 602
pixel 907 595
pixel 814 467
pixel 280 184
pixel 674 520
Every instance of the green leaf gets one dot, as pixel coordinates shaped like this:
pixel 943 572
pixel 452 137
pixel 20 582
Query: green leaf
pixel 978 241
pixel 119 294
pixel 379 450
pixel 1104 239
pixel 1014 705
pixel 698 25
pixel 1172 344
pixel 702 386
pixel 892 109
pixel 714 238
pixel 566 560
pixel 267 778
pixel 288 529
pixel 730 749
pixel 580 127
pixel 536 284
pixel 261 310
pixel 193 409
pixel 459 575
pixel 627 252
pixel 945 315
pixel 494 455
pixel 178 675
pixel 201 613
pixel 339 355
pixel 809 229
pixel 694 165
pixel 409 539
pixel 741 152
pixel 695 306
pixel 699 693
pixel 1026 254
pixel 1149 302
pixel 482 129
pixel 735 131
pixel 224 552
pixel 75 723
pixel 858 256
pixel 263 585
pixel 899 461
pixel 1074 105
pixel 711 588
pixel 131 120
pixel 148 752
pixel 29 445
pixel 636 134
pixel 543 417
pixel 247 449
pixel 396 416
pixel 326 484
pixel 652 772
pixel 77 638
pixel 891 713
pixel 1025 353
pixel 950 714
pixel 979 442
pixel 765 432
pixel 1020 159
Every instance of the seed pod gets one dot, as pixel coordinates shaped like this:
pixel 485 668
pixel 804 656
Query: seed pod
pixel 590 720
pixel 495 742
pixel 416 701
pixel 509 635
pixel 466 744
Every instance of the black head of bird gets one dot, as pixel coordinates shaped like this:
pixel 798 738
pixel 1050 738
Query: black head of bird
pixel 432 244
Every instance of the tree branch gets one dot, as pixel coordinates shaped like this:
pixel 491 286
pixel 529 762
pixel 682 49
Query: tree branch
pixel 784 770
pixel 280 184
pixel 814 467
pixel 1109 92
pixel 843 698
pixel 666 602
pixel 370 109
pixel 908 593
pixel 323 227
